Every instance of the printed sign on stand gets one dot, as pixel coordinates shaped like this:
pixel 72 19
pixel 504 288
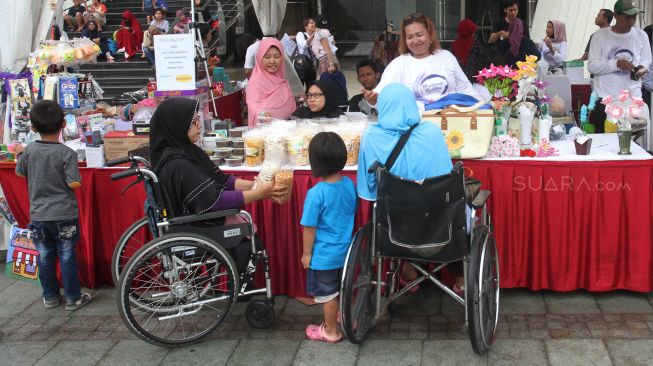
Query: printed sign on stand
pixel 175 61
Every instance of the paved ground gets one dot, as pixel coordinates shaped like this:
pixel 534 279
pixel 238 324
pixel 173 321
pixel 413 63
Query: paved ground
pixel 536 328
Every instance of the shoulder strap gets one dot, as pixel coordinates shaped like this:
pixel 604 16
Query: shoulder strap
pixel 400 146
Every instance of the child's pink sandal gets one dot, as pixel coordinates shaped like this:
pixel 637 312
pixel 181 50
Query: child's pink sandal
pixel 317 333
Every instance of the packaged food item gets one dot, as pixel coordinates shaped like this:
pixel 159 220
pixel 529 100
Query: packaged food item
pixel 275 147
pixel 284 178
pixel 254 148
pixel 268 171
pixel 298 142
pixel 352 141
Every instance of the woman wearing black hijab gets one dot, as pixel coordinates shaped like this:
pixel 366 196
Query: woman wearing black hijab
pixel 91 32
pixel 194 184
pixel 320 102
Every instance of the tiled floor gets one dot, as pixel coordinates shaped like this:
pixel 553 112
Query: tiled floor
pixel 538 328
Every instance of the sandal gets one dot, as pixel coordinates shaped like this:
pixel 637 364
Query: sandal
pixel 459 290
pixel 403 283
pixel 317 333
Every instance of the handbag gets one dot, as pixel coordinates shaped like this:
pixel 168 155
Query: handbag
pixel 467 130
pixel 22 256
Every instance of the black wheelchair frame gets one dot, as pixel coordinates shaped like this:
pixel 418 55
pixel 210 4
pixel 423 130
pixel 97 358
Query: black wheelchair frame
pixel 179 283
pixel 374 264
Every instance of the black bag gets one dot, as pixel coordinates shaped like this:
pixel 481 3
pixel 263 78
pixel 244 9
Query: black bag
pixel 304 66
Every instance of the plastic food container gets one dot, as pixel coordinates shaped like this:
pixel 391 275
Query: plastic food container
pixel 217 161
pixel 238 151
pixel 237 131
pixel 223 143
pixel 234 161
pixel 238 143
pixel 223 152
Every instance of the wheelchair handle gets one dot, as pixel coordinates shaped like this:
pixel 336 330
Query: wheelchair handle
pixel 125 174
pixel 114 162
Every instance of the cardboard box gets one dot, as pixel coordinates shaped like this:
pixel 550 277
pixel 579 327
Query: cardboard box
pixel 95 156
pixel 118 143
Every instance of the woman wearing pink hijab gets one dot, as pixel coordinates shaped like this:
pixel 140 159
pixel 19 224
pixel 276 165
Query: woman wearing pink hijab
pixel 554 45
pixel 268 92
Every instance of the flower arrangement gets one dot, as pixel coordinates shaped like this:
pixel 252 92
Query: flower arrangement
pixel 622 108
pixel 546 149
pixel 503 146
pixel 531 89
pixel 499 81
pixel 585 111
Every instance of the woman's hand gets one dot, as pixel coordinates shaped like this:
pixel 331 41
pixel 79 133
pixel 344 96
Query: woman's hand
pixel 370 96
pixel 548 43
pixel 332 68
pixel 263 189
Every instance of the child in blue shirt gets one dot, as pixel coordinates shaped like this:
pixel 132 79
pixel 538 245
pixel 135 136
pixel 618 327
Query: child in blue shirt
pixel 328 222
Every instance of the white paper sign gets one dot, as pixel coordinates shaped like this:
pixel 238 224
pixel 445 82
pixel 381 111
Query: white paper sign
pixel 175 61
pixel 289 45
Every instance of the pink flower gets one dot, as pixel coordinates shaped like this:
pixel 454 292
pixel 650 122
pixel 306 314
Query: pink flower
pixel 622 97
pixel 607 100
pixel 634 111
pixel 625 91
pixel 616 111
pixel 637 101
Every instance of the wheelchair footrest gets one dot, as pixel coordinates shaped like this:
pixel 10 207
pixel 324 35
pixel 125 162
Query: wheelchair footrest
pixel 479 200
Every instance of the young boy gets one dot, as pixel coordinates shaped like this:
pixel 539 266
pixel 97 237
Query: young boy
pixel 369 75
pixel 52 175
pixel 328 221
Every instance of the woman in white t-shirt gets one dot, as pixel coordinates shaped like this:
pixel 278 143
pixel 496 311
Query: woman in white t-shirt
pixel 324 48
pixel 554 46
pixel 423 66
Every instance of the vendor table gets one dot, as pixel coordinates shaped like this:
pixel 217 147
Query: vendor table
pixel 562 223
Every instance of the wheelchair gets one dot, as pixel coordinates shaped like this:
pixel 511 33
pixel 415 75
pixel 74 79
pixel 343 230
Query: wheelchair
pixel 184 278
pixel 422 224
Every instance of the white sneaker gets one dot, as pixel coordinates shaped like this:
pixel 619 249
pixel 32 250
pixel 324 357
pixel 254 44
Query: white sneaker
pixel 121 50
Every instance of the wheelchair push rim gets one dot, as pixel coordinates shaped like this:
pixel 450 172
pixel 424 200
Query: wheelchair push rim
pixel 483 290
pixel 132 239
pixel 357 304
pixel 191 286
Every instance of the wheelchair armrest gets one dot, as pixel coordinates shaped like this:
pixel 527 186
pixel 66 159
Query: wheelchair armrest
pixel 458 167
pixel 479 200
pixel 211 215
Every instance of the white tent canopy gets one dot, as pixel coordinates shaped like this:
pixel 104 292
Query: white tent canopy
pixel 26 22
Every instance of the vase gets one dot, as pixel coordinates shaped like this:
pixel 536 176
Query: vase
pixel 625 136
pixel 545 123
pixel 525 126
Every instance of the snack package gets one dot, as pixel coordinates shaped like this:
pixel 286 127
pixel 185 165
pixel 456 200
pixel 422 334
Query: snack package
pixel 298 142
pixel 254 148
pixel 284 177
pixel 275 146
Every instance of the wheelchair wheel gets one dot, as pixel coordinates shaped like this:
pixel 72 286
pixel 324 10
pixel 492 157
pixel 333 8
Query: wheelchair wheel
pixel 483 290
pixel 133 239
pixel 177 289
pixel 357 305
pixel 260 314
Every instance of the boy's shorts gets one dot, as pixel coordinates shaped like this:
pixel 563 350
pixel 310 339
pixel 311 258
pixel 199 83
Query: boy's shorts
pixel 323 285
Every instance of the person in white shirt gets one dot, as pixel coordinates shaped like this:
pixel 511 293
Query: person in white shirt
pixel 250 58
pixel 304 39
pixel 324 48
pixel 616 54
pixel 423 66
pixel 554 46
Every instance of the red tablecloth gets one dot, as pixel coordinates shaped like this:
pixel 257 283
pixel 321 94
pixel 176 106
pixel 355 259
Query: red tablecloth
pixel 559 225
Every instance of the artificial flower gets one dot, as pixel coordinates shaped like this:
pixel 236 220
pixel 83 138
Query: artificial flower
pixel 617 111
pixel 606 100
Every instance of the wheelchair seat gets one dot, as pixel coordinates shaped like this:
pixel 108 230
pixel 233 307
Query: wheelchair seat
pixel 423 221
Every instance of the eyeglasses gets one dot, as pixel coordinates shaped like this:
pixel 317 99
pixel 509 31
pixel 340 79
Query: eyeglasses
pixel 314 95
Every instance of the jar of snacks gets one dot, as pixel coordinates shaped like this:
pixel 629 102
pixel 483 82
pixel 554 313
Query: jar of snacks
pixel 276 149
pixel 254 148
pixel 283 178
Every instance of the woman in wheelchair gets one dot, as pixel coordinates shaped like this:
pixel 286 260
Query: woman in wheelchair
pixel 425 154
pixel 192 183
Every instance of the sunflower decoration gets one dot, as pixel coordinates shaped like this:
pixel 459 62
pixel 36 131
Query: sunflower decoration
pixel 455 143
